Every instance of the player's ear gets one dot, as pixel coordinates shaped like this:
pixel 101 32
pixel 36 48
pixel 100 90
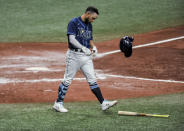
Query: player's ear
pixel 88 13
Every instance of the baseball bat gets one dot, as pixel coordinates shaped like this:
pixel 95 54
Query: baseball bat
pixel 128 113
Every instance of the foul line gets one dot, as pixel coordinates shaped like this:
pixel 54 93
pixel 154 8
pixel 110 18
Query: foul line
pixel 145 79
pixel 139 46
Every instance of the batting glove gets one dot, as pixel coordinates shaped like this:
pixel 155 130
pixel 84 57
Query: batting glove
pixel 94 50
pixel 86 51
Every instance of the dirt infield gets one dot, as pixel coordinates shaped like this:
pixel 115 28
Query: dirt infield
pixel 31 72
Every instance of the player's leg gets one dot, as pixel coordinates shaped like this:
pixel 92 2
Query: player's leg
pixel 71 68
pixel 88 71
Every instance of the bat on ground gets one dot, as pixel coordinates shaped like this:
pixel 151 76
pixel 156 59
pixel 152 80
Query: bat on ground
pixel 128 113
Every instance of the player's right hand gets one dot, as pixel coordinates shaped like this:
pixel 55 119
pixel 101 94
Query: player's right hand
pixel 86 51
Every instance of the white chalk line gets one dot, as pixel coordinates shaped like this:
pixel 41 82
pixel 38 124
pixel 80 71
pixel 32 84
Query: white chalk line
pixel 139 46
pixel 145 79
pixel 7 81
pixel 99 76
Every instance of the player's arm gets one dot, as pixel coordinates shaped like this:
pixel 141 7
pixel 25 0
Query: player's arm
pixel 74 42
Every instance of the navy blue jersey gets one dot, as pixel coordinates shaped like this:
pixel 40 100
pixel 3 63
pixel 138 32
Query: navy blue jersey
pixel 81 30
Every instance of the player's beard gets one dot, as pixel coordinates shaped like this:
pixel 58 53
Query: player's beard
pixel 86 21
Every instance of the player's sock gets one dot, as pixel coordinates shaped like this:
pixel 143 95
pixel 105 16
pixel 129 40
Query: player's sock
pixel 96 90
pixel 62 92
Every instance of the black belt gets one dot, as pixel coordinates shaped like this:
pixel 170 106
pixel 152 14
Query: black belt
pixel 76 50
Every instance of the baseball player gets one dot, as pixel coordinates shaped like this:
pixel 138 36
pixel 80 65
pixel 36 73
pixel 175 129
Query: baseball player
pixel 79 56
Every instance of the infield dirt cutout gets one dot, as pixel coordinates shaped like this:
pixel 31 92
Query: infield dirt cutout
pixel 31 72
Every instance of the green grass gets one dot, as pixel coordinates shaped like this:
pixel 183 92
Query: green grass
pixel 46 20
pixel 88 116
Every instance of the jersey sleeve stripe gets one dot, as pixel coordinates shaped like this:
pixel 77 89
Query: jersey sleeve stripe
pixel 70 33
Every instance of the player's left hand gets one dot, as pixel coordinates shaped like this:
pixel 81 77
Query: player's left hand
pixel 94 51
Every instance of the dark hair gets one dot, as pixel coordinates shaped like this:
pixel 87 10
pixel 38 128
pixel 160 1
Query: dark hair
pixel 92 9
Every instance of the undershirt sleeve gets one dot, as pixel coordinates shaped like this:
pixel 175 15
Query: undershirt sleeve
pixel 74 42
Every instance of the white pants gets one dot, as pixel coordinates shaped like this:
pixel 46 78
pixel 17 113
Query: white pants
pixel 76 61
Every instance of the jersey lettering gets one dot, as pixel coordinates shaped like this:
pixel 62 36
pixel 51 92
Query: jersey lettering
pixel 85 34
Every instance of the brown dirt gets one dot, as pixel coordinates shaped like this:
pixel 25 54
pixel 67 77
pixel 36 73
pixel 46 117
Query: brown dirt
pixel 164 61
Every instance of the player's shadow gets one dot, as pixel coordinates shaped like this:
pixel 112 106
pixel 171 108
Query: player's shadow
pixel 108 112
